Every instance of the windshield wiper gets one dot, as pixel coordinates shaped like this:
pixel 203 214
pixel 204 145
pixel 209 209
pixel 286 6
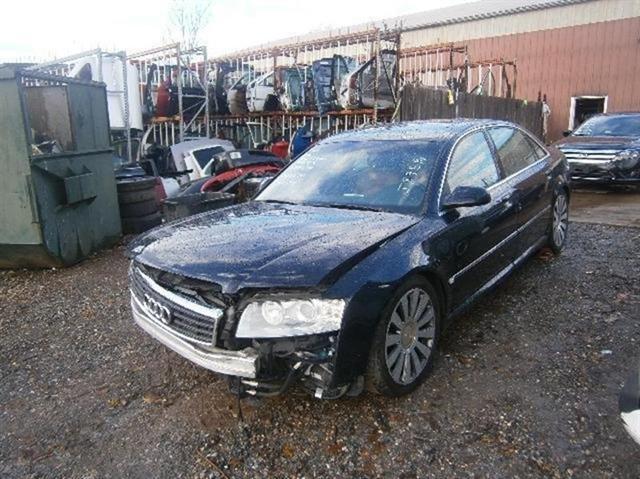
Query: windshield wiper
pixel 346 207
pixel 280 202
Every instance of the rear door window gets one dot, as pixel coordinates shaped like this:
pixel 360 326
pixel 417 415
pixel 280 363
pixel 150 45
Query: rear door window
pixel 515 150
pixel 472 164
pixel 540 152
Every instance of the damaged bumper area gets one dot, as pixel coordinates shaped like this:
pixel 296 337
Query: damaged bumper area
pixel 242 363
pixel 604 172
pixel 211 335
pixel 308 361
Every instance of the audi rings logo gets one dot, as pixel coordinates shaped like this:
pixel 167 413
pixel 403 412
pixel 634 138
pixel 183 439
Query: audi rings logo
pixel 157 310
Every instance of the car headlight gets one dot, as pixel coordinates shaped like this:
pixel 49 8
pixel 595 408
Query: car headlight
pixel 292 317
pixel 627 159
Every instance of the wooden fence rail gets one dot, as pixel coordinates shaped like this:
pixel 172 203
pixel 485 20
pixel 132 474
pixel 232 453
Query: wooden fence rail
pixel 422 103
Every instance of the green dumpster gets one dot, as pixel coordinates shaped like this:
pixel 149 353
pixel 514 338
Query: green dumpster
pixel 58 200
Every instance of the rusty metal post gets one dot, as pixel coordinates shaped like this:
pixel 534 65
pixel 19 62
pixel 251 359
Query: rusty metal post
pixel 205 79
pixel 179 85
pixel 398 59
pixel 375 80
pixel 125 97
pixel 515 78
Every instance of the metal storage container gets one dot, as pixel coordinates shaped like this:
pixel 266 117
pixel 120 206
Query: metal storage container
pixel 58 200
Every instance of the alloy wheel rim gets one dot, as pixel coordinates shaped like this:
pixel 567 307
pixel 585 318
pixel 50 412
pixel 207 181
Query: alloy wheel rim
pixel 560 220
pixel 410 334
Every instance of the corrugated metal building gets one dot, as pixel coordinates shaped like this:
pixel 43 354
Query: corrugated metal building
pixel 584 55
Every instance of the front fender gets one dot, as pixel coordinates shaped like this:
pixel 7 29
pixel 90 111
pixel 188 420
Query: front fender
pixel 369 286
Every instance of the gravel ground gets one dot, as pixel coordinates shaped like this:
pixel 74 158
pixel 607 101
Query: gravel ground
pixel 525 385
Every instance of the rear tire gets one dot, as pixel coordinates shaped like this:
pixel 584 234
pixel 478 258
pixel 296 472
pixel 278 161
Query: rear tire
pixel 136 183
pixel 405 340
pixel 128 197
pixel 559 222
pixel 141 223
pixel 139 208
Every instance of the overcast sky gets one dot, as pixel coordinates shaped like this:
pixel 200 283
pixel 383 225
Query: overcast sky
pixel 34 30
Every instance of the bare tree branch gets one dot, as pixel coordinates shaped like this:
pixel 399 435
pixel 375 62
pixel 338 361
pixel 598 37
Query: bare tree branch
pixel 187 19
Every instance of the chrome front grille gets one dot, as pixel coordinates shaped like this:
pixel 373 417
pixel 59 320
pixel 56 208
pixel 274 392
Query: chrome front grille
pixel 192 321
pixel 588 156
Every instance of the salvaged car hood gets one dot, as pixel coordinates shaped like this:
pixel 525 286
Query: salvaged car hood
pixel 598 142
pixel 256 245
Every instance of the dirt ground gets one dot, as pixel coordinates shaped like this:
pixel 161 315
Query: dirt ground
pixel 525 385
pixel 606 206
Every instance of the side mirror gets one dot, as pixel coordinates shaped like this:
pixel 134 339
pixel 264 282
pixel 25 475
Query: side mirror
pixel 466 196
pixel 567 132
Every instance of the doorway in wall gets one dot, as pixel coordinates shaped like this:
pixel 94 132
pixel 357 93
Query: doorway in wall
pixel 584 107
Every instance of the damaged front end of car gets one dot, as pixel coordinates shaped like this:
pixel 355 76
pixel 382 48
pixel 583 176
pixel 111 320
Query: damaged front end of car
pixel 307 360
pixel 263 341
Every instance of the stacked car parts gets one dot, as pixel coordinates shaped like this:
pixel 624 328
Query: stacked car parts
pixel 328 84
pixel 358 88
pixel 328 75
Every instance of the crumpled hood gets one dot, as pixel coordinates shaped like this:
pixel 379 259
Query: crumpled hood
pixel 260 244
pixel 598 143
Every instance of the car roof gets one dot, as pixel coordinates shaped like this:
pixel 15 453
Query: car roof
pixel 430 130
pixel 621 113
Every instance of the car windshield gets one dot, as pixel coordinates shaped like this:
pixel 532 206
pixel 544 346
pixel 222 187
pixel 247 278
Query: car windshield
pixel 622 125
pixel 369 175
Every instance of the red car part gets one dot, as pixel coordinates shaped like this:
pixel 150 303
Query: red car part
pixel 280 148
pixel 162 100
pixel 222 179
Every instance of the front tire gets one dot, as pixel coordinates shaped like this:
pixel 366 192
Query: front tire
pixel 559 222
pixel 405 340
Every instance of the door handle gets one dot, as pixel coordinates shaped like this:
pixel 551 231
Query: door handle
pixel 509 202
pixel 506 199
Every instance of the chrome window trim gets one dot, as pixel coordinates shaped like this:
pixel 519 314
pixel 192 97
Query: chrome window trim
pixel 503 180
pixel 446 165
pixel 510 177
pixel 532 138
pixel 504 241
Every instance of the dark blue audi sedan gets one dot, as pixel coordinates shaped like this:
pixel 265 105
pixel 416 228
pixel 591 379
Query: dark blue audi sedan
pixel 347 266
